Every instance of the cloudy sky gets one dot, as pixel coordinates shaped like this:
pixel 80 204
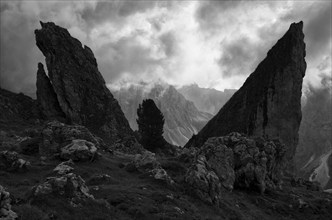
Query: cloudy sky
pixel 215 44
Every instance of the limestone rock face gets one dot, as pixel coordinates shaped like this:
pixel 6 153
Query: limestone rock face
pixel 79 87
pixel 235 161
pixel 269 102
pixel 221 160
pixel 203 182
pixel 46 97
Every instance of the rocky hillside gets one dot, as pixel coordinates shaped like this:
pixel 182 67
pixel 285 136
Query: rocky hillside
pixel 17 108
pixel 269 102
pixel 53 164
pixel 74 88
pixel 205 99
pixel 182 119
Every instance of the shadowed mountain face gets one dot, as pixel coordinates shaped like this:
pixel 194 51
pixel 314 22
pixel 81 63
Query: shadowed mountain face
pixel 75 87
pixel 16 108
pixel 182 119
pixel 269 102
pixel 206 100
pixel 313 158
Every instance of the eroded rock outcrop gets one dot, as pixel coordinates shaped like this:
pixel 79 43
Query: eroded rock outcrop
pixel 235 161
pixel 203 182
pixel 269 102
pixel 56 135
pixel 147 163
pixel 79 87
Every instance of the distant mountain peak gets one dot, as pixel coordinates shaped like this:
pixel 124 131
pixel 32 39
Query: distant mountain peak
pixel 182 118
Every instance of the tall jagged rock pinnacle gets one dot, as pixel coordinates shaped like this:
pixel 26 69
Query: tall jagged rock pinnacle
pixel 79 87
pixel 46 98
pixel 269 102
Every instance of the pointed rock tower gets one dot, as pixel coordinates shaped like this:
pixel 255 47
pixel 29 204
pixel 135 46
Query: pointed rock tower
pixel 46 98
pixel 78 86
pixel 269 102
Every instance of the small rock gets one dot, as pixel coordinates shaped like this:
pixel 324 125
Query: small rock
pixel 79 150
pixel 64 167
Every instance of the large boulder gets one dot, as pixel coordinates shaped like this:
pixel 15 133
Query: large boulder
pixel 237 161
pixel 269 102
pixel 221 160
pixel 203 182
pixel 6 212
pixel 147 163
pixel 79 150
pixel 56 135
pixel 68 185
pixel 80 89
pixel 10 161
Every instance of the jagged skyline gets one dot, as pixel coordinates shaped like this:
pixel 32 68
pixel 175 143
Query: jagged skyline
pixel 213 44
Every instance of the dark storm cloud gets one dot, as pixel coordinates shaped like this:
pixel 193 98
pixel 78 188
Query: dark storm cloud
pixel 317 26
pixel 112 11
pixel 241 56
pixel 125 56
pixel 19 19
pixel 117 11
pixel 168 42
pixel 18 55
pixel 208 11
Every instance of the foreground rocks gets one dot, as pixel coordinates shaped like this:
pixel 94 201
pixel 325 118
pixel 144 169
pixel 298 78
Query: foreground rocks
pixel 148 164
pixel 57 135
pixel 203 182
pixel 269 102
pixel 10 161
pixel 235 160
pixel 65 184
pixel 6 212
pixel 79 150
pixel 80 91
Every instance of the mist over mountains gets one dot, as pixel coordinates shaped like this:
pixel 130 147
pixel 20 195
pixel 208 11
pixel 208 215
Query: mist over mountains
pixel 314 152
pixel 206 99
pixel 182 118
